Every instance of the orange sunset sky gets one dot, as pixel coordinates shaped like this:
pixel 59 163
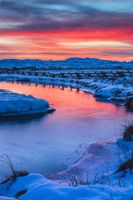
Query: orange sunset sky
pixel 59 29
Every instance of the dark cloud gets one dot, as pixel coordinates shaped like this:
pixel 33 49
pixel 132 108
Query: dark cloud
pixel 117 52
pixel 74 20
pixel 39 15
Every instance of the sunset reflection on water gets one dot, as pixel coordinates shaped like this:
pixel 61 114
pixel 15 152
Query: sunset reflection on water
pixel 45 144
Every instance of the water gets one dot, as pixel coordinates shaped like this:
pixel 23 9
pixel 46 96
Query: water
pixel 50 143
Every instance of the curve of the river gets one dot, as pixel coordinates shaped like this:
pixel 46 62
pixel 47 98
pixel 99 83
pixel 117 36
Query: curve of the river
pixel 50 143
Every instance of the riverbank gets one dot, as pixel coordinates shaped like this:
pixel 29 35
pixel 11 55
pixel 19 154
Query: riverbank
pixel 98 164
pixel 119 88
pixel 15 106
pixel 94 176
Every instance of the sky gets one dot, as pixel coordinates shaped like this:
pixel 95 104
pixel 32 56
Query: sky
pixel 59 29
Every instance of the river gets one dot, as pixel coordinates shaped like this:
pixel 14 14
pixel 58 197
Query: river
pixel 53 142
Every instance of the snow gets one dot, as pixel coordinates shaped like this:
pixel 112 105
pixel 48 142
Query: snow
pixel 108 91
pixel 99 159
pixel 115 93
pixel 107 185
pixel 39 188
pixel 19 105
pixel 112 84
pixel 94 174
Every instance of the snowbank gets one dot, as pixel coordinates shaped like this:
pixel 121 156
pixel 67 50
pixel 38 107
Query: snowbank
pixel 19 105
pixel 115 93
pixel 119 89
pixel 36 187
pixel 100 161
pixel 109 79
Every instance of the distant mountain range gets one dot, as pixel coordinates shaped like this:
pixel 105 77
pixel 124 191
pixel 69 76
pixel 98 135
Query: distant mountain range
pixel 70 63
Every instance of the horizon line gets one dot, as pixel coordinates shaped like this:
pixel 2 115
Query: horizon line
pixel 19 59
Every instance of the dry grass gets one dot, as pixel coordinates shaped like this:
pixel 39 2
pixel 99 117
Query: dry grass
pixel 126 165
pixel 129 104
pixel 20 193
pixel 14 174
pixel 128 132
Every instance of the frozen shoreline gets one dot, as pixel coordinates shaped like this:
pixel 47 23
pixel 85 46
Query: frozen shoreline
pixel 102 158
pixel 118 90
pixel 91 177
pixel 14 106
pixel 103 187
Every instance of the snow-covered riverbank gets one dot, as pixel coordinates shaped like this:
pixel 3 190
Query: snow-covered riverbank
pixel 36 187
pixel 13 105
pixel 94 174
pixel 112 88
pixel 99 162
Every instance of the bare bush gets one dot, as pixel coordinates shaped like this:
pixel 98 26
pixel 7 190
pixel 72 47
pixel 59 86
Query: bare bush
pixel 128 132
pixel 129 104
pixel 14 173
pixel 127 165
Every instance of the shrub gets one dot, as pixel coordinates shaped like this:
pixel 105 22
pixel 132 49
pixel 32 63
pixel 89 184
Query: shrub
pixel 128 133
pixel 129 104
pixel 126 165
pixel 14 174
pixel 20 193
